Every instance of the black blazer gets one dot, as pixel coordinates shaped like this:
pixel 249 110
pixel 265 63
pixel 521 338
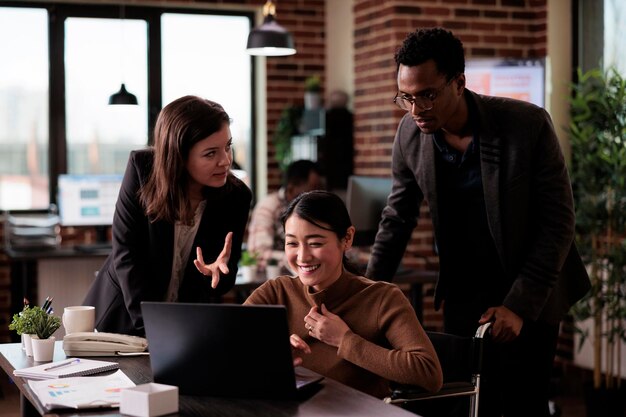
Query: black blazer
pixel 528 198
pixel 140 264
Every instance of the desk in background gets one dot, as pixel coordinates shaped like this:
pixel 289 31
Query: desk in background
pixel 64 273
pixel 332 399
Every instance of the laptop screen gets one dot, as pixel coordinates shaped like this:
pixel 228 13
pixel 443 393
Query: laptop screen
pixel 220 349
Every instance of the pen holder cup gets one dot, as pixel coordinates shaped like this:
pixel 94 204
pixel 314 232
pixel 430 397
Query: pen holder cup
pixel 149 400
pixel 43 349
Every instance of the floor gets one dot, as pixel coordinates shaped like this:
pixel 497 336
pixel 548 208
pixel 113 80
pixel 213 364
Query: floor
pixel 9 398
pixel 570 406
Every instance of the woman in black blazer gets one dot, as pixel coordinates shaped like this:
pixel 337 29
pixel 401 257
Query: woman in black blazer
pixel 178 206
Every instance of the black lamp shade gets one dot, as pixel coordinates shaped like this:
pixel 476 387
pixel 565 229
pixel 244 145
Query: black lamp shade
pixel 123 97
pixel 270 39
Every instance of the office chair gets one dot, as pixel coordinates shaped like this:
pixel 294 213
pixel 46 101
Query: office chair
pixel 461 362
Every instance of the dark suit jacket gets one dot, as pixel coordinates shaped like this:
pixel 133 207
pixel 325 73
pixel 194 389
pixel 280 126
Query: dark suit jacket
pixel 528 198
pixel 140 264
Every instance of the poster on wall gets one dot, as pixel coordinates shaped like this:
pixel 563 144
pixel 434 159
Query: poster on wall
pixel 519 79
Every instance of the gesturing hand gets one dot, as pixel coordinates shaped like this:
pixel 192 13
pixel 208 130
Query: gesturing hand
pixel 220 264
pixel 325 326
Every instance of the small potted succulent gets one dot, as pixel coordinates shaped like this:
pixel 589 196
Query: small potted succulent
pixel 44 325
pixel 22 324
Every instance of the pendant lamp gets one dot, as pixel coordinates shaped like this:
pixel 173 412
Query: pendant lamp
pixel 270 39
pixel 122 96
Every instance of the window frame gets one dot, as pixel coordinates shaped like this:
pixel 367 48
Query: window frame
pixel 58 12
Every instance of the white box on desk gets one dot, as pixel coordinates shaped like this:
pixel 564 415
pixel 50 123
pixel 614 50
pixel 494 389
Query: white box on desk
pixel 149 400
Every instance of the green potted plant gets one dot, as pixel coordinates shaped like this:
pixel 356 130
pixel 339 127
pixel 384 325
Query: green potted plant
pixel 44 325
pixel 248 265
pixel 22 324
pixel 313 83
pixel 287 127
pixel 248 258
pixel 313 92
pixel 598 171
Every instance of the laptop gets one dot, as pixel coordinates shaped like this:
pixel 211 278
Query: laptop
pixel 225 350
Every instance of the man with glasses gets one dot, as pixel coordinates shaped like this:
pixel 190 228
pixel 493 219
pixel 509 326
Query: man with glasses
pixel 495 180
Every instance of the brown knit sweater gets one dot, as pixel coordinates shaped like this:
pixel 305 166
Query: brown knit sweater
pixel 386 341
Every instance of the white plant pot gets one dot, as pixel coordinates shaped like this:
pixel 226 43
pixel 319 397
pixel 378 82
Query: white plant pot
pixel 43 349
pixel 312 100
pixel 272 271
pixel 248 273
pixel 28 345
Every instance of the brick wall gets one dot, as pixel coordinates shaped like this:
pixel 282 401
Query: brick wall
pixel 488 28
pixel 285 75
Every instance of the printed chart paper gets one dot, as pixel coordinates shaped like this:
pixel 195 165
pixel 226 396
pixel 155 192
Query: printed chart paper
pixel 81 392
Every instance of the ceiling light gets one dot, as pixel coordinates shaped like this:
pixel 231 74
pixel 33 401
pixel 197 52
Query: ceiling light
pixel 270 39
pixel 123 97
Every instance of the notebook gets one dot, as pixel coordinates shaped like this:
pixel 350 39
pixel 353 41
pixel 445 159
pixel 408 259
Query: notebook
pixel 223 350
pixel 66 368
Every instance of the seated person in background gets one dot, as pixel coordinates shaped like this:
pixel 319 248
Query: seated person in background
pixel 360 332
pixel 265 232
pixel 178 206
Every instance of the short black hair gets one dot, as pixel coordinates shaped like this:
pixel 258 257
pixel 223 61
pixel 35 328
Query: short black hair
pixel 437 44
pixel 298 172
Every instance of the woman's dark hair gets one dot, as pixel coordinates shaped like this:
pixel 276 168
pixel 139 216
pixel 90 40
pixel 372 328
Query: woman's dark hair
pixel 437 44
pixel 324 210
pixel 180 125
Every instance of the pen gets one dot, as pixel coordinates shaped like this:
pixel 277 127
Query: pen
pixel 62 365
pixel 45 304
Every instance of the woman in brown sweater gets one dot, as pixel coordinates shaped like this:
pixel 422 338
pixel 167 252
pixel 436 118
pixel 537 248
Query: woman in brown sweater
pixel 360 332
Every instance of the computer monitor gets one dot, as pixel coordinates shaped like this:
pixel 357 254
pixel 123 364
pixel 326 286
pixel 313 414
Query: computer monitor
pixel 88 200
pixel 366 198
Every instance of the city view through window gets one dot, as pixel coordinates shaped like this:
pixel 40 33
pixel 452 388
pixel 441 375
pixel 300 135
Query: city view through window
pixel 201 55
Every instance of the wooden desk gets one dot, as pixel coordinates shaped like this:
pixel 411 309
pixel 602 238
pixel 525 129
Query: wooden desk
pixel 332 399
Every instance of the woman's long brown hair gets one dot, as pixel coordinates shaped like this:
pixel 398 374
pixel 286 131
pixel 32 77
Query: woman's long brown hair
pixel 180 125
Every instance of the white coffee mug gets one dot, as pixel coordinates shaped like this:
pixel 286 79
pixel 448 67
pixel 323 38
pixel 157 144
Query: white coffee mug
pixel 79 319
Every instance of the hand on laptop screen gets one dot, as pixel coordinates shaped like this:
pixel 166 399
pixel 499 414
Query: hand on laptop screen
pixel 299 346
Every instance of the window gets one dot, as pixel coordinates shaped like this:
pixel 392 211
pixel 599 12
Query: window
pixel 100 54
pixel 65 60
pixel 23 108
pixel 614 34
pixel 219 71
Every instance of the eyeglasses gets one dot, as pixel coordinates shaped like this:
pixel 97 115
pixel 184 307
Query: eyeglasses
pixel 425 101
